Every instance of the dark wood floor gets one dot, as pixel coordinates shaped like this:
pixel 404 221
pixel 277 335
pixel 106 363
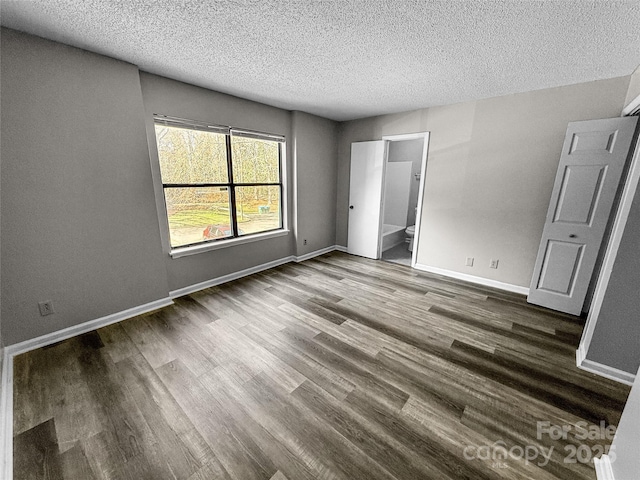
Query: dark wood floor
pixel 335 368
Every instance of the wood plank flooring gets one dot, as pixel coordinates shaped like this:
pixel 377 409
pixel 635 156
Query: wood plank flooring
pixel 336 368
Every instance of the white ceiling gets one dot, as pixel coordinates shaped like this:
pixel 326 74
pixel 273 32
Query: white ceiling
pixel 346 59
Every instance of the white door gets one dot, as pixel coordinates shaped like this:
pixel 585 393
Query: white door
pixel 591 166
pixel 365 198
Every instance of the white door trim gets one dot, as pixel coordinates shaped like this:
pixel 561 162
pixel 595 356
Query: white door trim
pixel 633 107
pixel 628 193
pixel 423 171
pixel 487 282
pixel 604 470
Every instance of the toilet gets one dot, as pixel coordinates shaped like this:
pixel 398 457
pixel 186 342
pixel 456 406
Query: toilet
pixel 410 231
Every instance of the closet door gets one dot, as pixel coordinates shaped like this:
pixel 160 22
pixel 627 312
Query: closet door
pixel 365 198
pixel 591 166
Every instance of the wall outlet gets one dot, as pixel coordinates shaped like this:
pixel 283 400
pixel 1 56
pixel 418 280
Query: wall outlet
pixel 493 264
pixel 304 242
pixel 46 308
pixel 469 262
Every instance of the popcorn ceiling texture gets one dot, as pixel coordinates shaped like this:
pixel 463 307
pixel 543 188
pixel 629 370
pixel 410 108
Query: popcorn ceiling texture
pixel 347 59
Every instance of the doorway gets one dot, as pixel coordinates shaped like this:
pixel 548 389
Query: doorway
pixel 368 236
pixel 403 190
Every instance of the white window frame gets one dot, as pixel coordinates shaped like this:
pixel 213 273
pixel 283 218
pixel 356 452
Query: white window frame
pixel 206 246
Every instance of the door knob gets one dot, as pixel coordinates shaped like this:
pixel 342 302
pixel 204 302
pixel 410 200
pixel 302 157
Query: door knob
pixel 351 207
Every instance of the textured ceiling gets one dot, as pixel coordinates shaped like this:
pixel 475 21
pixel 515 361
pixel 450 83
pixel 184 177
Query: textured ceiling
pixel 348 59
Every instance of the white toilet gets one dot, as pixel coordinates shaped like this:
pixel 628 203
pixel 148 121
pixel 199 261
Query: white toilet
pixel 410 231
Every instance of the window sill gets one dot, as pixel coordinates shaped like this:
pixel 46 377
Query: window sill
pixel 207 247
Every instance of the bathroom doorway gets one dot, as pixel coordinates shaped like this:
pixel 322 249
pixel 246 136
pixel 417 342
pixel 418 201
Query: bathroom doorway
pixel 403 191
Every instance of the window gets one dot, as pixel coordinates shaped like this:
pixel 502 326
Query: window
pixel 218 182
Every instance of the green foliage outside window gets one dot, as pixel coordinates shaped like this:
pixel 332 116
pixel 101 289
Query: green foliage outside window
pixel 199 193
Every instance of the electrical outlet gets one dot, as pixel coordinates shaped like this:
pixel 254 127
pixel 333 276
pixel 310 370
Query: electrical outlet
pixel 46 308
pixel 469 262
pixel 493 264
pixel 305 241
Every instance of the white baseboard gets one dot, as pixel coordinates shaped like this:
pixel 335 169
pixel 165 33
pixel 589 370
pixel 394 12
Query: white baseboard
pixel 249 271
pixel 581 354
pixel 58 336
pixel 604 471
pixel 340 248
pixel 181 292
pixel 6 418
pixel 10 351
pixel 473 279
pixel 316 253
pixel 603 370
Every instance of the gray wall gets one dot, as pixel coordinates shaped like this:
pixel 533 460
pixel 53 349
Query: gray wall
pixel 79 221
pixel 616 337
pixel 83 221
pixel 315 152
pixel 177 99
pixel 490 172
pixel 80 224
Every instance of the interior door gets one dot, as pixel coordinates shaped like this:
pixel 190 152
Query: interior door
pixel 591 166
pixel 365 198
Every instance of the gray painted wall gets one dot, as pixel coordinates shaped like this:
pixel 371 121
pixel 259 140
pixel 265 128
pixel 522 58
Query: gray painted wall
pixel 177 99
pixel 83 221
pixel 315 152
pixel 79 222
pixel 490 172
pixel 616 337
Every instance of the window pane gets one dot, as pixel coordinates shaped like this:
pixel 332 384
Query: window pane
pixel 198 214
pixel 255 161
pixel 258 209
pixel 191 156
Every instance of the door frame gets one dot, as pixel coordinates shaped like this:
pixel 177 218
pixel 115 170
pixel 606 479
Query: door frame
pixel 423 171
pixel 620 221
